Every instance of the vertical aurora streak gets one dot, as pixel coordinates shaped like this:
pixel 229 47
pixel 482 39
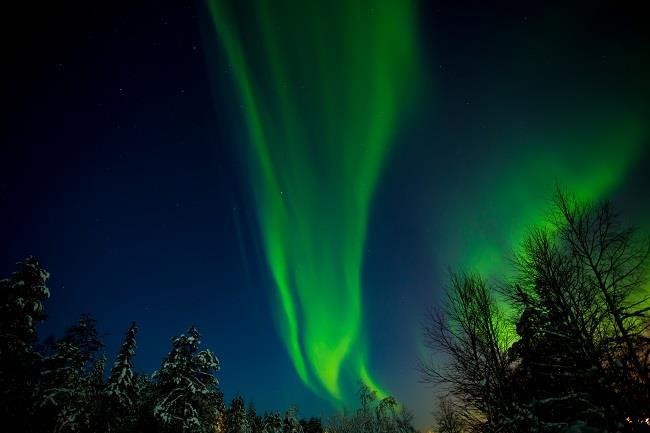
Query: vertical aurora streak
pixel 322 85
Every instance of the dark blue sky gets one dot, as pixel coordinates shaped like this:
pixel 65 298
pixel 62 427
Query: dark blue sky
pixel 116 173
pixel 115 179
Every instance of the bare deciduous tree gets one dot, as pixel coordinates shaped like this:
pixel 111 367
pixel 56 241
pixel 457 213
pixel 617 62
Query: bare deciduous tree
pixel 472 332
pixel 447 418
pixel 581 356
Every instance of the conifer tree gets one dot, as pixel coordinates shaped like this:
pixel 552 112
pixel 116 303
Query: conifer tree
pixel 312 425
pixel 290 423
pixel 236 420
pixel 72 379
pixel 144 400
pixel 95 402
pixel 120 388
pixel 187 394
pixel 254 420
pixel 21 309
pixel 273 423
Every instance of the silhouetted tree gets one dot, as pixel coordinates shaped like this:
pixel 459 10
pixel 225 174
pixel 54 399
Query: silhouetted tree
pixel 373 416
pixel 582 356
pixel 21 309
pixel 580 362
pixel 558 356
pixel 472 331
pixel 447 418
pixel 312 425
pixel 615 262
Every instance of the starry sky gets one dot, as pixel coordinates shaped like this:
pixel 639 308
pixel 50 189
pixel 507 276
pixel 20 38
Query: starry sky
pixel 296 179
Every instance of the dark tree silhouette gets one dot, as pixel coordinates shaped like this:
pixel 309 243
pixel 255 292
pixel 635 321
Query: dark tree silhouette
pixel 21 309
pixel 471 331
pixel 312 425
pixel 447 418
pixel 583 353
pixel 580 360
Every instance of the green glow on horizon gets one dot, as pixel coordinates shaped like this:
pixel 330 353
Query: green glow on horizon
pixel 590 159
pixel 589 163
pixel 323 85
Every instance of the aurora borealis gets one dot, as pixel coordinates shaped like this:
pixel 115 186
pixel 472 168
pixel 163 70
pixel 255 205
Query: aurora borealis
pixel 348 70
pixel 322 95
pixel 295 178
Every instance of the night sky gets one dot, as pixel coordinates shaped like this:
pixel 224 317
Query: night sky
pixel 295 178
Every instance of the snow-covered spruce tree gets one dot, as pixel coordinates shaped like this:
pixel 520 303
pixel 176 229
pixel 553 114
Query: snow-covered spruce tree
pixel 71 380
pixel 96 407
pixel 144 401
pixel 120 388
pixel 291 423
pixel 254 420
pixel 273 423
pixel 235 420
pixel 21 308
pixel 187 393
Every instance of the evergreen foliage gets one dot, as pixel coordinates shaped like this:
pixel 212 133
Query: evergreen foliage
pixel 254 420
pixel 291 423
pixel 312 425
pixel 236 417
pixel 71 379
pixel 273 423
pixel 58 385
pixel 21 309
pixel 121 393
pixel 187 392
